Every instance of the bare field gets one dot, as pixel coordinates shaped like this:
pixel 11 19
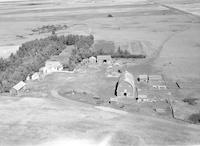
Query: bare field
pixel 54 120
pixel 128 24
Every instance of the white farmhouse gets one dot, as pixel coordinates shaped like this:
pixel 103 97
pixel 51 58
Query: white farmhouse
pixel 53 66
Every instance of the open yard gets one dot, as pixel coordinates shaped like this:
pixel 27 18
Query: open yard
pixel 53 119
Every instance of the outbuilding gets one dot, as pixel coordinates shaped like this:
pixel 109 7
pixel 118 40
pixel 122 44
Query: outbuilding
pixel 92 60
pixel 35 76
pixel 15 89
pixel 53 66
pixel 101 59
pixel 28 78
pixel 160 85
pixel 126 85
pixel 43 70
pixel 143 78
pixel 155 78
pixel 85 61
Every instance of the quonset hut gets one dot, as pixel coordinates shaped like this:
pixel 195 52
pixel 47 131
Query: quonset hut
pixel 125 86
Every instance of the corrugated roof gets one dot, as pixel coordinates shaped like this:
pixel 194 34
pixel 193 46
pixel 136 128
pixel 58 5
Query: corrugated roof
pixel 155 77
pixel 19 86
pixel 143 76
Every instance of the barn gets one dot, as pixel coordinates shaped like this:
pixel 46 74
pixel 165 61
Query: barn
pixel 126 85
pixel 15 89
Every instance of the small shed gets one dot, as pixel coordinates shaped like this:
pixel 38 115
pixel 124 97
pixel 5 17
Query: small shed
pixel 143 78
pixel 15 89
pixel 92 60
pixel 28 78
pixel 101 59
pixel 85 61
pixel 162 87
pixel 35 76
pixel 126 85
pixel 43 70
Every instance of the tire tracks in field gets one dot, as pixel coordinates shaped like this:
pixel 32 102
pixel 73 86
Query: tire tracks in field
pixel 157 52
pixel 64 100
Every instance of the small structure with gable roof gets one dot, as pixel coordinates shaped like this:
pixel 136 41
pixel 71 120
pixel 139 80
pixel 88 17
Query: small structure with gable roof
pixel 28 78
pixel 15 89
pixel 157 82
pixel 143 78
pixel 125 86
pixel 155 78
pixel 92 60
pixel 35 76
pixel 43 70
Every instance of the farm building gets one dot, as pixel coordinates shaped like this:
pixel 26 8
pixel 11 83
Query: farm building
pixel 155 78
pixel 28 78
pixel 92 60
pixel 85 61
pixel 63 57
pixel 35 76
pixel 126 85
pixel 15 89
pixel 104 59
pixel 143 78
pixel 43 70
pixel 160 84
pixel 53 66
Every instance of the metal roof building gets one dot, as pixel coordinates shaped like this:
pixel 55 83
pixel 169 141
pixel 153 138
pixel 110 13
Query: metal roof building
pixel 155 77
pixel 14 90
pixel 19 86
pixel 126 85
pixel 143 78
